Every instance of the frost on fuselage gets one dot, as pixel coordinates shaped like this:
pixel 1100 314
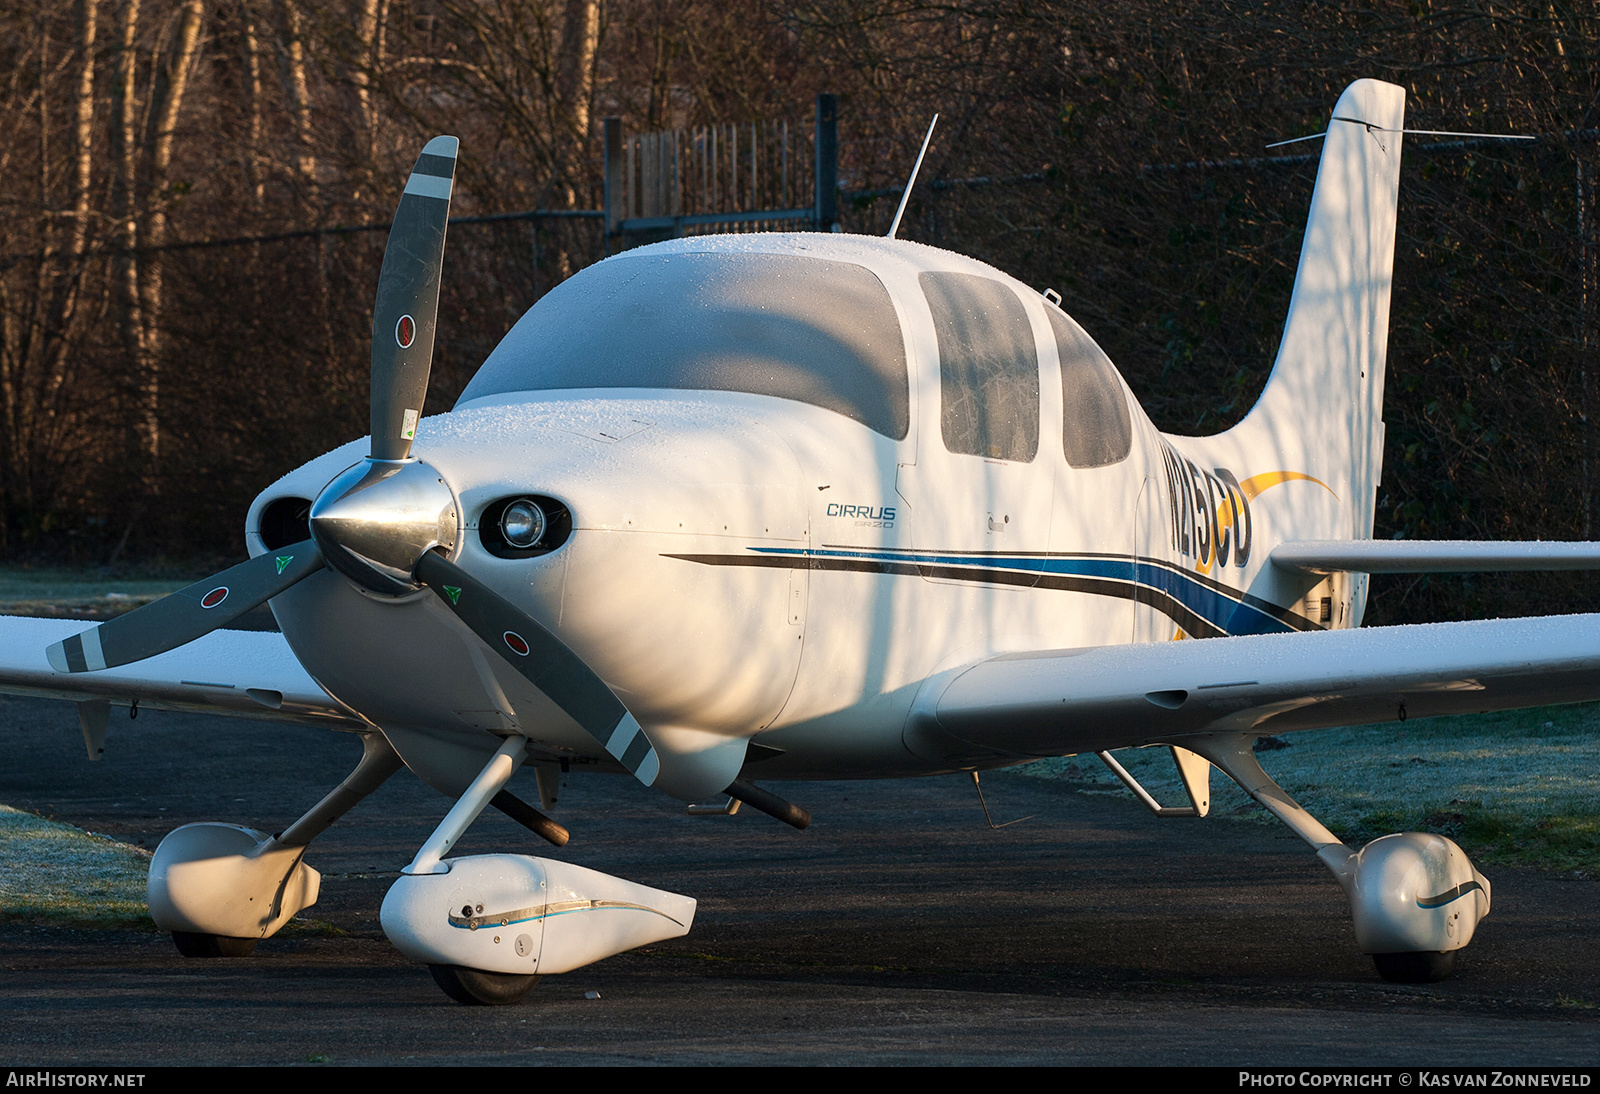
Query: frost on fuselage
pixel 808 329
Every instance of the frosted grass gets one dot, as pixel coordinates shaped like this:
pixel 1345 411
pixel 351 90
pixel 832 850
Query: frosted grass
pixel 55 873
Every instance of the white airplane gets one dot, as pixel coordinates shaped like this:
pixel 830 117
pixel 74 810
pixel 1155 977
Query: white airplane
pixel 813 506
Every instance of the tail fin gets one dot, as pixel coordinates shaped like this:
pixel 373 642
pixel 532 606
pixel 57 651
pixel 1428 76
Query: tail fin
pixel 1322 411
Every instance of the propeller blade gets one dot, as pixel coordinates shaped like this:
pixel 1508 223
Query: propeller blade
pixel 407 304
pixel 547 663
pixel 188 613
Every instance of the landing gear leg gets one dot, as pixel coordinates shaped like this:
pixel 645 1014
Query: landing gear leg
pixel 221 888
pixel 1415 898
pixel 490 781
pixel 474 987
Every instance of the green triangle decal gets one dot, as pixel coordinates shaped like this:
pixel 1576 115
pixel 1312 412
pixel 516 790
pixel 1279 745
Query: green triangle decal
pixel 283 562
pixel 453 592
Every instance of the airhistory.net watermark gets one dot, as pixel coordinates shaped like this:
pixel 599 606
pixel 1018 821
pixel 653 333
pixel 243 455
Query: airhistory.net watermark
pixel 45 1077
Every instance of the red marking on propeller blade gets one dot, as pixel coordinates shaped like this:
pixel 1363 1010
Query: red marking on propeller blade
pixel 405 331
pixel 214 597
pixel 518 644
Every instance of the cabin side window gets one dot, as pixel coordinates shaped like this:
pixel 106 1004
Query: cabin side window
pixel 1098 431
pixel 807 329
pixel 988 367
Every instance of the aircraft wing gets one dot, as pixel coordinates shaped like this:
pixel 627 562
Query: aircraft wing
pixel 252 674
pixel 1058 702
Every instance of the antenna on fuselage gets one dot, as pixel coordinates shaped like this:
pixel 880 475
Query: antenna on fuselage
pixel 912 181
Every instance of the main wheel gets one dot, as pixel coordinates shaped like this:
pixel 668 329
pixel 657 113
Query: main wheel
pixel 477 988
pixel 1415 968
pixel 195 944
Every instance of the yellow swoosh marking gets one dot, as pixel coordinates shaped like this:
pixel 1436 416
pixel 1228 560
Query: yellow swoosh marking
pixel 1251 488
pixel 1257 484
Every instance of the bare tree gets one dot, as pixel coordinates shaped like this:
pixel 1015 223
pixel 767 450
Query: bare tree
pixel 136 363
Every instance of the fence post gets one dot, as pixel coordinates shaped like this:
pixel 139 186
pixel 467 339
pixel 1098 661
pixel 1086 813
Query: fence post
pixel 827 167
pixel 616 192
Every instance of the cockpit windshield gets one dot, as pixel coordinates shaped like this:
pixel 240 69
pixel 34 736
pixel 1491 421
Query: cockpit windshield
pixel 808 329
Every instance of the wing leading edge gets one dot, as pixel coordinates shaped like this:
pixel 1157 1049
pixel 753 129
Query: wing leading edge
pixel 247 673
pixel 1057 702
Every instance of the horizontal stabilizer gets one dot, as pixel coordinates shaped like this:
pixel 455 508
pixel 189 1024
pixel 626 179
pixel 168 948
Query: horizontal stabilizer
pixel 1433 556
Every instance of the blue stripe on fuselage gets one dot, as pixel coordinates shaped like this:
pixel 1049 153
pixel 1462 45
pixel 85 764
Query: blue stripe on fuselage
pixel 1232 614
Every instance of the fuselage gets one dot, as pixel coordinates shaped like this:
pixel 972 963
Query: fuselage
pixel 806 475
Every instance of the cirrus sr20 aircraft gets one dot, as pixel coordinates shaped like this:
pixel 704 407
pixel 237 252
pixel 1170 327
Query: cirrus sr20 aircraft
pixel 811 506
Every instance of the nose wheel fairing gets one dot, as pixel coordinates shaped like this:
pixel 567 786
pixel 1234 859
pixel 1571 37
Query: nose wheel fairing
pixel 523 915
pixel 514 915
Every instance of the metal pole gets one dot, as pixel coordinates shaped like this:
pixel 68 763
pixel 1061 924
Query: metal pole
pixel 827 164
pixel 613 184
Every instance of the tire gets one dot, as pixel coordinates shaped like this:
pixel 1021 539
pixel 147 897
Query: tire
pixel 195 944
pixel 477 988
pixel 1415 968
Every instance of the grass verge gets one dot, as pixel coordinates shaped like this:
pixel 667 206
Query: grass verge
pixel 76 593
pixel 61 875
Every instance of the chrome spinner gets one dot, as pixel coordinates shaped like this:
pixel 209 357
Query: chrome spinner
pixel 377 518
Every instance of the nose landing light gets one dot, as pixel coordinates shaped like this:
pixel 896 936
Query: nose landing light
pixel 522 523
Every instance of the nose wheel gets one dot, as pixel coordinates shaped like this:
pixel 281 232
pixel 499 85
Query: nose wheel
pixel 477 988
pixel 1415 968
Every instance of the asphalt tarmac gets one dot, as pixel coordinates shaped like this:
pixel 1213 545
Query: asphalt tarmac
pixel 898 929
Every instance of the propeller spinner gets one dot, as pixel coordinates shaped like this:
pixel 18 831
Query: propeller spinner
pixel 388 522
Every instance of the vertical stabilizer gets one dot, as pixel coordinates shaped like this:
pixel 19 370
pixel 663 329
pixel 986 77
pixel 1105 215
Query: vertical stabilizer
pixel 1322 411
